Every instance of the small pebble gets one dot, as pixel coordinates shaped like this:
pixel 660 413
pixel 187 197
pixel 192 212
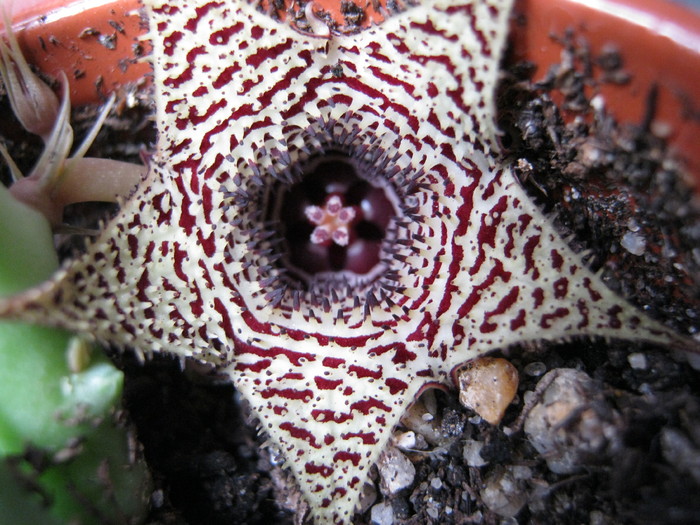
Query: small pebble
pixel 382 514
pixel 472 453
pixel 634 243
pixel 598 103
pixel 405 440
pixel 436 483
pixel 487 386
pixel 693 359
pixel 646 389
pixel 638 361
pixel 521 472
pixel 420 420
pixel 433 510
pixel 396 471
pixel 368 498
pixel 503 493
pixel 157 499
pixel 535 369
pixel 661 129
pixel 680 451
pixel 476 419
pixel 571 424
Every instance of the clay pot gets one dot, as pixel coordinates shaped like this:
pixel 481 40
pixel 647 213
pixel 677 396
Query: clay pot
pixel 659 43
pixel 660 46
pixel 97 43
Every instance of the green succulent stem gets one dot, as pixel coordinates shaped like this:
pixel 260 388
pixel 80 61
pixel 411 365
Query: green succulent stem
pixel 57 397
pixel 27 255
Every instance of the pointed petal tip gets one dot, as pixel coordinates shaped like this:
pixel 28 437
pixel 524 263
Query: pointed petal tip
pixel 24 306
pixel 690 346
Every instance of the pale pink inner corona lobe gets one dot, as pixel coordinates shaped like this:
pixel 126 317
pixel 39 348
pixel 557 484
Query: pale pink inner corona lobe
pixel 334 220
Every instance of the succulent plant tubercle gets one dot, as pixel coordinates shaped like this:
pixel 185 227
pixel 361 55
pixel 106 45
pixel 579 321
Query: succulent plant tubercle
pixel 58 398
pixel 328 220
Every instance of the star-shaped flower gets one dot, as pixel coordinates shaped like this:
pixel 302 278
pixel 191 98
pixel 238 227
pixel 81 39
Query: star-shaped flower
pixel 261 126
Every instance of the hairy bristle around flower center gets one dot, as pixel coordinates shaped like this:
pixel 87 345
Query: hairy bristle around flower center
pixel 341 180
pixel 334 219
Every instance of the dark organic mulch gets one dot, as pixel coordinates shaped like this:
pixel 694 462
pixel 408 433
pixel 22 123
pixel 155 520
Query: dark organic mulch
pixel 205 457
pixel 602 182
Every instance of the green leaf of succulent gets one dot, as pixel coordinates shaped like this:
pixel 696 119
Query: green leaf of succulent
pixel 27 256
pixel 37 388
pixel 19 507
pixel 54 397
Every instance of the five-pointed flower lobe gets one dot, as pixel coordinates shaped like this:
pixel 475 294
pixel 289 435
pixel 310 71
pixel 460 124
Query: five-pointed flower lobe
pixel 194 264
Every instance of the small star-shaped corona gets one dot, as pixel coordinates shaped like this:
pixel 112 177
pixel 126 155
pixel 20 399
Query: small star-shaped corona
pixel 204 262
pixel 331 221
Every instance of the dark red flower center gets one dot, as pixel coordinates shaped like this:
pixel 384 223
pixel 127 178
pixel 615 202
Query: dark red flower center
pixel 334 219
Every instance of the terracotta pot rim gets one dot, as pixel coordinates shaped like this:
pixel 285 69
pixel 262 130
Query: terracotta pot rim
pixel 664 18
pixel 660 42
pixel 96 42
pixel 642 31
pixel 44 18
